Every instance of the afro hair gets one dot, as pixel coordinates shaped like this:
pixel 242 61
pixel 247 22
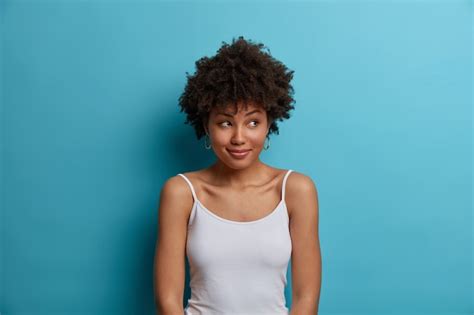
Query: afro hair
pixel 240 72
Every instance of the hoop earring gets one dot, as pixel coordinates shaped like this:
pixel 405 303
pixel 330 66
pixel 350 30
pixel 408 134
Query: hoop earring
pixel 205 144
pixel 268 144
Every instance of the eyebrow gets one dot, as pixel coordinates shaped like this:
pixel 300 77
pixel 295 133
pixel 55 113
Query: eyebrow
pixel 249 113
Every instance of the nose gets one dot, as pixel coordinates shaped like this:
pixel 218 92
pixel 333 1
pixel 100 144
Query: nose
pixel 238 136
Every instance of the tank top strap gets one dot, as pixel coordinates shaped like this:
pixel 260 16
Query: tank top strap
pixel 190 186
pixel 284 184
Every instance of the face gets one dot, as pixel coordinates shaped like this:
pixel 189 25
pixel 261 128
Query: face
pixel 245 131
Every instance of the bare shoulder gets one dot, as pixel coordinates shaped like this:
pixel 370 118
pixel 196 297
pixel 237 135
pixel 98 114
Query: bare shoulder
pixel 297 181
pixel 175 186
pixel 301 192
pixel 176 199
pixel 195 176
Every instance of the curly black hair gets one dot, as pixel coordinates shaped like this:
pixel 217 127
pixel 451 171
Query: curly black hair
pixel 240 72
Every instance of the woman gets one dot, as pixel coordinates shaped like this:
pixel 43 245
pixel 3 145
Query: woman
pixel 239 221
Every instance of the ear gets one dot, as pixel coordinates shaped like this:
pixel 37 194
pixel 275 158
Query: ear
pixel 205 123
pixel 270 121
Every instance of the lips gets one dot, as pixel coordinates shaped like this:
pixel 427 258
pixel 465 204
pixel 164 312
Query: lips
pixel 238 151
pixel 238 154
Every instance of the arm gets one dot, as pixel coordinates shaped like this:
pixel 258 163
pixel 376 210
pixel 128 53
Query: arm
pixel 306 261
pixel 170 257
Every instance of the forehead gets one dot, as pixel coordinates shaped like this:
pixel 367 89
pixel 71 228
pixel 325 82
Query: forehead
pixel 241 109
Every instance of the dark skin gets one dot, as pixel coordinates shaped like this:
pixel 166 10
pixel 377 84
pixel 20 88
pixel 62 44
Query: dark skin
pixel 240 190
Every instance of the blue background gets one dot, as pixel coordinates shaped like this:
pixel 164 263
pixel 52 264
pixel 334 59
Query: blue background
pixel 90 130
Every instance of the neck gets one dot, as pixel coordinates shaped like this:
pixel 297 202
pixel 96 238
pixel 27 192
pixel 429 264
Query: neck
pixel 239 178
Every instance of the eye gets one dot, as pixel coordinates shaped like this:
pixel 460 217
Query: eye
pixel 221 124
pixel 256 122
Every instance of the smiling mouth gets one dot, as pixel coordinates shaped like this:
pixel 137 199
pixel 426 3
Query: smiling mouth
pixel 239 154
pixel 238 151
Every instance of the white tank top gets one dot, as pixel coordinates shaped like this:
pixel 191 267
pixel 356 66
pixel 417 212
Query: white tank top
pixel 236 267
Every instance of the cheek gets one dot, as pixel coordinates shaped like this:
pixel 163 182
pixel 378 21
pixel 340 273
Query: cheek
pixel 258 138
pixel 220 138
